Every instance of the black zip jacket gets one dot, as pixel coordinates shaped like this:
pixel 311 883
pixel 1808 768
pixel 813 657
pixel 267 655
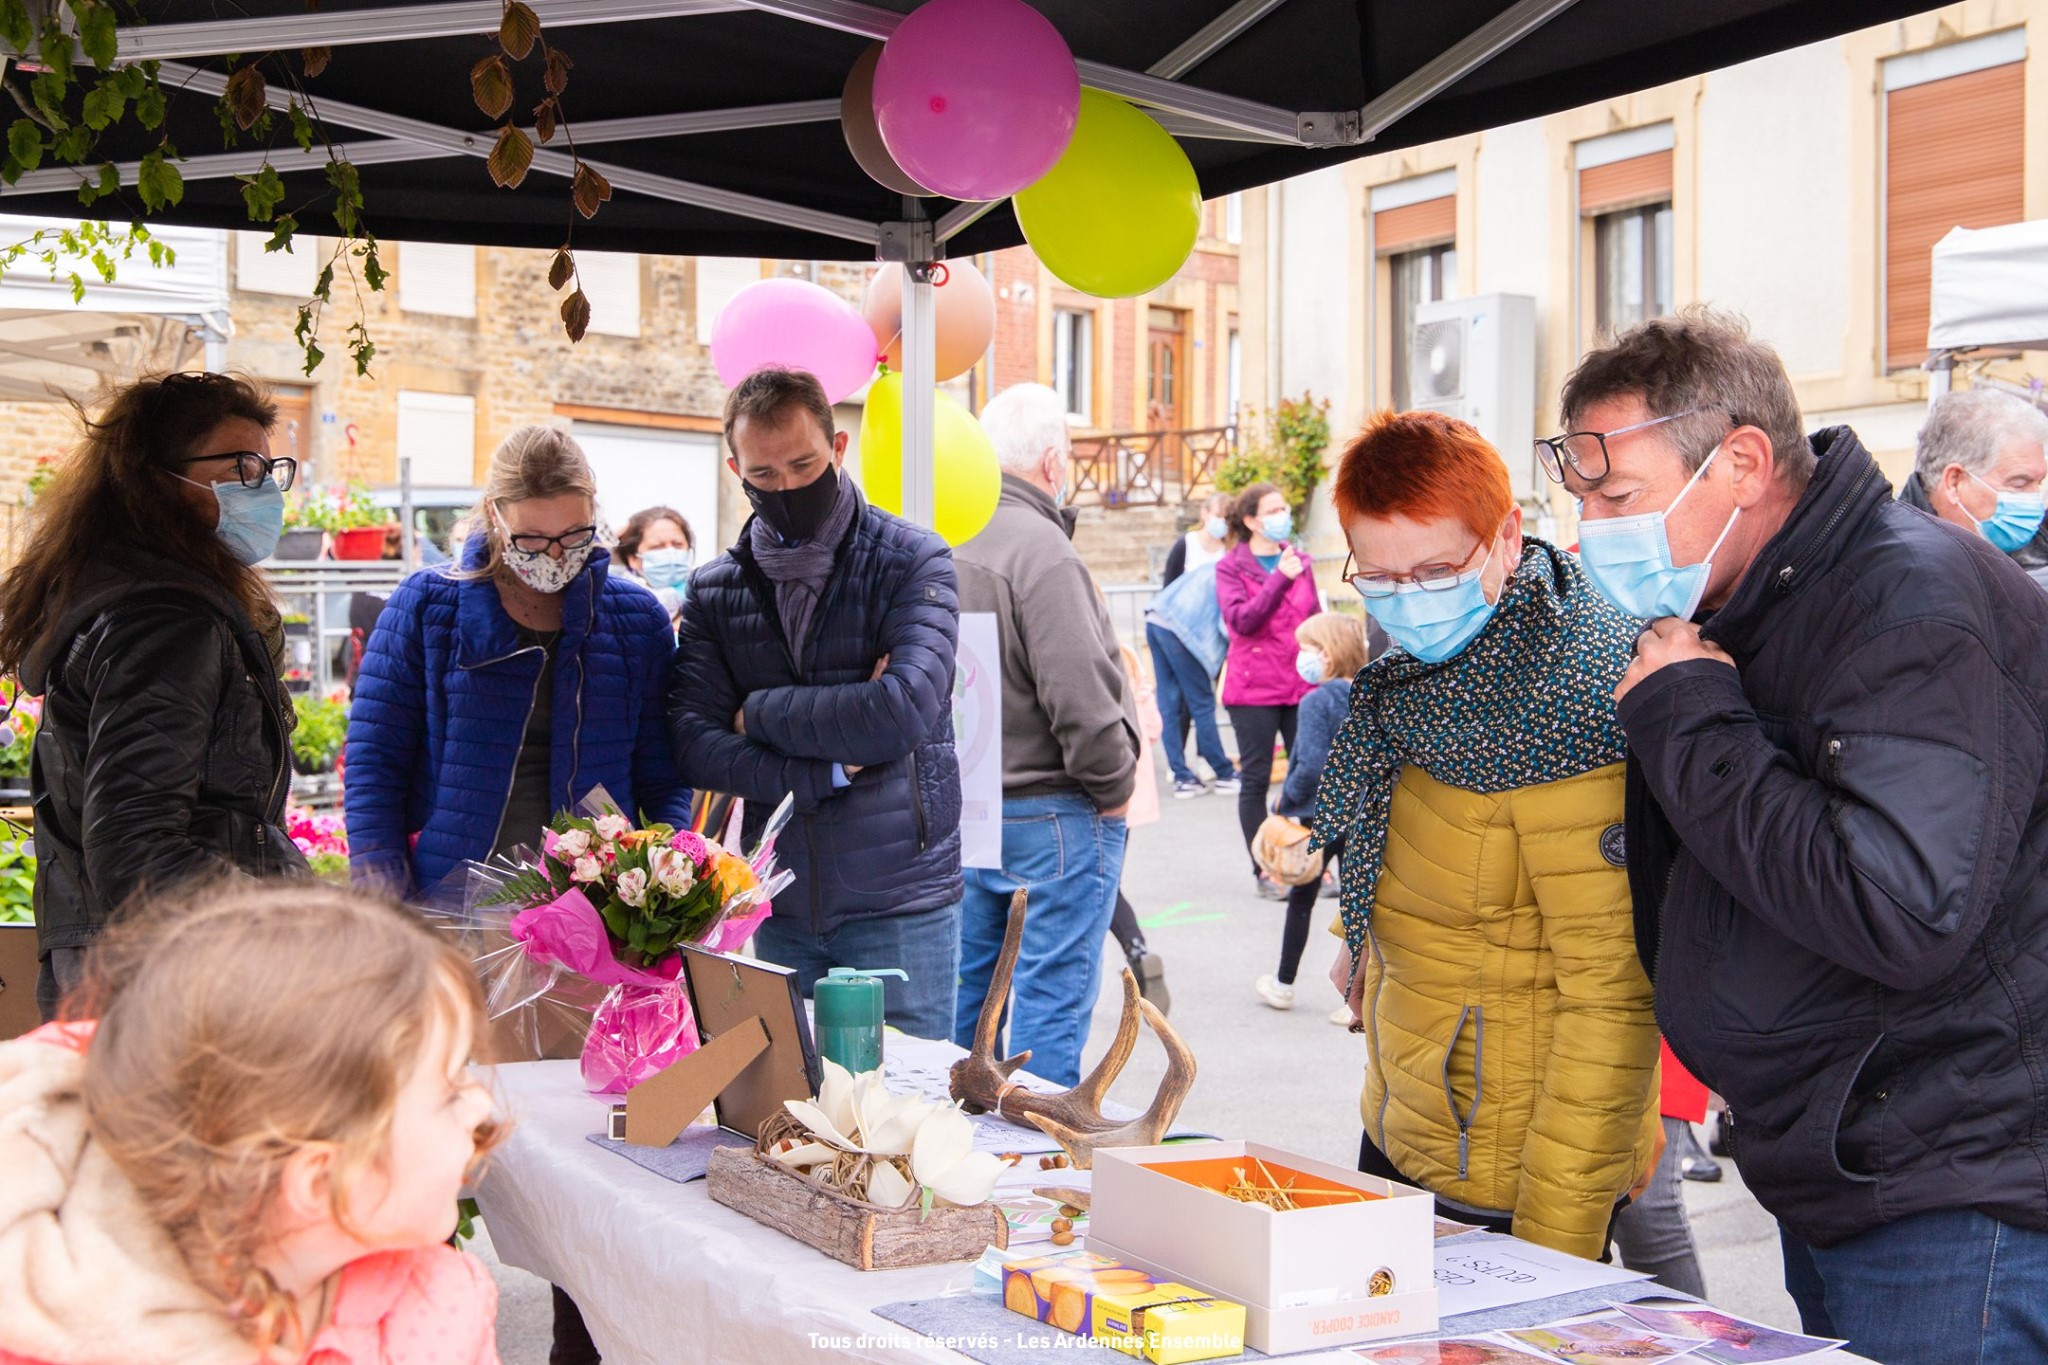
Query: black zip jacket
pixel 163 754
pixel 1837 852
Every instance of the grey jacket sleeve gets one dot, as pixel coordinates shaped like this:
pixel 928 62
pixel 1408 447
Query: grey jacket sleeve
pixel 1078 674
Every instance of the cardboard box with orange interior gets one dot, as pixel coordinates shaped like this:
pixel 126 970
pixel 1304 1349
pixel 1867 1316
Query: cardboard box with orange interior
pixel 1124 1308
pixel 1319 1255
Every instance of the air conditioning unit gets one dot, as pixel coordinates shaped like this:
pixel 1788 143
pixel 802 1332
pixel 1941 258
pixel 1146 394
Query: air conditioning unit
pixel 1475 359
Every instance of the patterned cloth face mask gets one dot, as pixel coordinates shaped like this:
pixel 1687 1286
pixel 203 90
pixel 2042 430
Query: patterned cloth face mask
pixel 542 572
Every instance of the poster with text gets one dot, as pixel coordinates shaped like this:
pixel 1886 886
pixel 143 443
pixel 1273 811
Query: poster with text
pixel 978 735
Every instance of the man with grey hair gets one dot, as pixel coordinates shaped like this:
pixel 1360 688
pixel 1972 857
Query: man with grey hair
pixel 1070 746
pixel 1836 834
pixel 1980 466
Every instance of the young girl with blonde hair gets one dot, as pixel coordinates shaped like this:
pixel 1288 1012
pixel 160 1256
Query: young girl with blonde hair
pixel 247 1150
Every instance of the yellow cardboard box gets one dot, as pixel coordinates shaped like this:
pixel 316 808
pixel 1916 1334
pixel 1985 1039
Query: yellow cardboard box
pixel 1128 1309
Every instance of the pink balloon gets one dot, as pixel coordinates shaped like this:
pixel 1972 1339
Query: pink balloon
pixel 797 325
pixel 976 99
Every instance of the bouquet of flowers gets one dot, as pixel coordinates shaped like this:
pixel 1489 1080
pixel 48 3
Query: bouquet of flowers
pixel 613 903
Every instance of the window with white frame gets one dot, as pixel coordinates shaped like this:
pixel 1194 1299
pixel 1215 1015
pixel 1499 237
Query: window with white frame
pixel 611 281
pixel 718 279
pixel 438 278
pixel 1073 361
pixel 437 432
pixel 1233 218
pixel 1417 277
pixel 1632 255
pixel 292 270
pixel 1233 378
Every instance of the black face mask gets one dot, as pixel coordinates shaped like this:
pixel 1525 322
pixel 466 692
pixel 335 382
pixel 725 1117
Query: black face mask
pixel 797 513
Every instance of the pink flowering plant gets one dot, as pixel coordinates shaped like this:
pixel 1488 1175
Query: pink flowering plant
pixel 613 902
pixel 23 716
pixel 322 838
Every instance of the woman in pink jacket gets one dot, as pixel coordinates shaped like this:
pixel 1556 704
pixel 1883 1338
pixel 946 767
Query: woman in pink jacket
pixel 1265 589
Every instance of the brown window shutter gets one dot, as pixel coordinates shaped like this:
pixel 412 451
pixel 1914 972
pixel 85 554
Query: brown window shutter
pixel 1954 156
pixel 1625 184
pixel 1433 222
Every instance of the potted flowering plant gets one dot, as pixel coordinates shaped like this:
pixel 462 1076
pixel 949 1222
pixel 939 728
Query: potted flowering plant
pixel 323 839
pixel 614 902
pixel 23 716
pixel 305 529
pixel 358 524
pixel 40 478
pixel 321 731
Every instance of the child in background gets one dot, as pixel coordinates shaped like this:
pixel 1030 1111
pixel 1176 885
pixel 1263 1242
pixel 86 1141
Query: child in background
pixel 249 1148
pixel 1331 651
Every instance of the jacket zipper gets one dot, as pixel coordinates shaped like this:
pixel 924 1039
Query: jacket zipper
pixel 917 803
pixel 576 735
pixel 1464 1121
pixel 531 702
pixel 1791 571
pixel 1373 1030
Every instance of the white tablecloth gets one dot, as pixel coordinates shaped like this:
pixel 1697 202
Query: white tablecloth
pixel 662 1273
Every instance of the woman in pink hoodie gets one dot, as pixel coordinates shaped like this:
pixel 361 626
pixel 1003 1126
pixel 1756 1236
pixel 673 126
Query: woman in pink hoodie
pixel 1266 588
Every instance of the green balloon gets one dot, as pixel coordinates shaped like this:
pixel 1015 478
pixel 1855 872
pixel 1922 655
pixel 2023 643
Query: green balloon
pixel 1118 213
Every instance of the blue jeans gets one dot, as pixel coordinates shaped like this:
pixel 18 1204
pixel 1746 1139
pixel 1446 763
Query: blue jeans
pixel 1070 859
pixel 924 943
pixel 1186 693
pixel 1953 1287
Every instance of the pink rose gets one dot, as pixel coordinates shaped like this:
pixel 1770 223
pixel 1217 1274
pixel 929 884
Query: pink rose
pixel 691 845
pixel 587 870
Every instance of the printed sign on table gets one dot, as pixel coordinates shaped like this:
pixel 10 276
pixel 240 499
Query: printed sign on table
pixel 978 737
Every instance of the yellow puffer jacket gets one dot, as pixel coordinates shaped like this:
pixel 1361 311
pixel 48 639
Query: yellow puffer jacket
pixel 1514 1051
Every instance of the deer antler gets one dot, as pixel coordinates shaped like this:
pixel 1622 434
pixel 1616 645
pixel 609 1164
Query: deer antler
pixel 1073 1118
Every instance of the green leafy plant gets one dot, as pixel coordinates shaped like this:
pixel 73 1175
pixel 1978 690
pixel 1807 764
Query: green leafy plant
pixel 17 881
pixel 71 87
pixel 346 508
pixel 24 716
pixel 1285 449
pixel 321 731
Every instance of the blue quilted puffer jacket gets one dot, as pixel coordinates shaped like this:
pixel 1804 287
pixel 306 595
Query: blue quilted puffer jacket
pixel 441 705
pixel 889 843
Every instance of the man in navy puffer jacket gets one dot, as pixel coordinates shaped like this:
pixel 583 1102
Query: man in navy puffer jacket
pixel 443 697
pixel 816 659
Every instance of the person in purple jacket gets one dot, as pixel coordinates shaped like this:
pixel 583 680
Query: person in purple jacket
pixel 1265 589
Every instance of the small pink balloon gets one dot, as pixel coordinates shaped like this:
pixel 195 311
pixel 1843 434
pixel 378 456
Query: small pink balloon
pixel 797 325
pixel 976 99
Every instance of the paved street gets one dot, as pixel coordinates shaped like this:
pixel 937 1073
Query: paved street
pixel 1287 1078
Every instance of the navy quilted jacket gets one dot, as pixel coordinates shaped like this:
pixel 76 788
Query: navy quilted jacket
pixel 890 842
pixel 441 705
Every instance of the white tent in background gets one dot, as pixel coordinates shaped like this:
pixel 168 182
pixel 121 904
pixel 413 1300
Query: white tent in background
pixel 149 318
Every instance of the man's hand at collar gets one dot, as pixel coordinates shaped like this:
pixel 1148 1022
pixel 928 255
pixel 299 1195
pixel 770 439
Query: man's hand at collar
pixel 1666 641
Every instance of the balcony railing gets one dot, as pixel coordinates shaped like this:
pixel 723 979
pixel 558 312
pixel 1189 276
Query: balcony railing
pixel 1150 468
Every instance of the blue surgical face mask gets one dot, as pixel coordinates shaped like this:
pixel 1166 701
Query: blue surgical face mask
pixel 1629 560
pixel 251 519
pixel 1217 528
pixel 1278 527
pixel 1436 624
pixel 2015 520
pixel 1309 664
pixel 667 568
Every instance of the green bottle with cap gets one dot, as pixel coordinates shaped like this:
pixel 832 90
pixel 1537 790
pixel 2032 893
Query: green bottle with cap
pixel 848 1003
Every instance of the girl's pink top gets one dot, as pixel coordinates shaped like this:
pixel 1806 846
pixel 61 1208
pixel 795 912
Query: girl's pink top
pixel 426 1306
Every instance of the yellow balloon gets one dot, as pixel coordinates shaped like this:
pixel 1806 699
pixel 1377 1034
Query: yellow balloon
pixel 1118 212
pixel 967 480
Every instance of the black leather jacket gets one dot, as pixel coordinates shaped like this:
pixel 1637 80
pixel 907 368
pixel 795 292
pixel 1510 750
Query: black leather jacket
pixel 163 754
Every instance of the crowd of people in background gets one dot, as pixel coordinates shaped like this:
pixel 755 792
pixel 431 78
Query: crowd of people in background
pixel 1750 785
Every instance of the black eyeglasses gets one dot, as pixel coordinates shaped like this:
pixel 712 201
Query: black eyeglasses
pixel 1429 578
pixel 251 468
pixel 534 543
pixel 1585 452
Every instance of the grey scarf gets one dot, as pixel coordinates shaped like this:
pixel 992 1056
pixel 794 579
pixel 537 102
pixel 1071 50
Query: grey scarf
pixel 800 571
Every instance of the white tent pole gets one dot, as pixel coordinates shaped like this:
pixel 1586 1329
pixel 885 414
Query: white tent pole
pixel 920 341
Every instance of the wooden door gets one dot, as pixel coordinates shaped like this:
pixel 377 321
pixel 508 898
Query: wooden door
pixel 1166 397
pixel 292 437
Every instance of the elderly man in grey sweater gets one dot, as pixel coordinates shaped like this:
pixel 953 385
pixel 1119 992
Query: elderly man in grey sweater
pixel 1070 746
pixel 1982 458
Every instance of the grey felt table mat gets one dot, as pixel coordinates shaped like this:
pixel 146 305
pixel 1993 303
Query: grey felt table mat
pixel 969 1319
pixel 685 1159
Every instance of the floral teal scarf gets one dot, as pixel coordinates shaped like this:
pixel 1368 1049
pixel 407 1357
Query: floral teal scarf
pixel 1530 701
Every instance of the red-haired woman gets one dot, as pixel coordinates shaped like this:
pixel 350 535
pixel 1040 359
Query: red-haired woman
pixel 1477 783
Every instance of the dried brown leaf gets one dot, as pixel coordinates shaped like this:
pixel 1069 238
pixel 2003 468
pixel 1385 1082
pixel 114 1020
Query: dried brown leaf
pixel 590 189
pixel 556 77
pixel 510 157
pixel 561 268
pixel 544 121
pixel 490 81
pixel 245 94
pixel 314 60
pixel 518 30
pixel 576 315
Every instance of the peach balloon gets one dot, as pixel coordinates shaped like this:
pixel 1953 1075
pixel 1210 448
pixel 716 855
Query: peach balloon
pixel 965 325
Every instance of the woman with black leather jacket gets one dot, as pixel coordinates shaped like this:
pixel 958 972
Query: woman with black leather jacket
pixel 136 612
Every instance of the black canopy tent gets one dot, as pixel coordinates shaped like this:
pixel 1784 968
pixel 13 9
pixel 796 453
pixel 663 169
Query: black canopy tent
pixel 716 121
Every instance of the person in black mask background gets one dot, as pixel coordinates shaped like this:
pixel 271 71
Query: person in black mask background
pixel 816 659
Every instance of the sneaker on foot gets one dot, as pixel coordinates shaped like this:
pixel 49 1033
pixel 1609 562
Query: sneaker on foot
pixel 1273 993
pixel 1226 786
pixel 1185 787
pixel 1151 974
pixel 1341 1016
pixel 1271 890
